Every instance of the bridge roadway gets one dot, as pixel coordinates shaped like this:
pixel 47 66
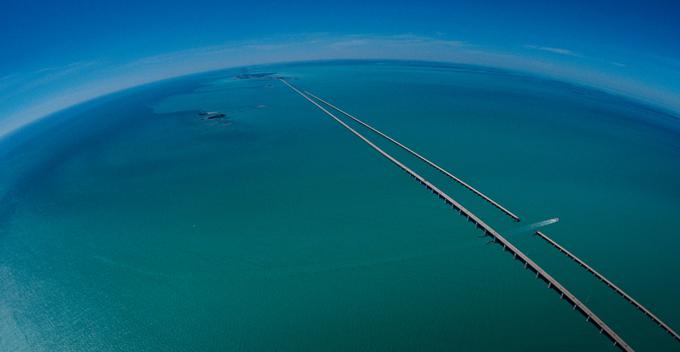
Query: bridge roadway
pixel 543 236
pixel 488 230
pixel 417 155
pixel 611 285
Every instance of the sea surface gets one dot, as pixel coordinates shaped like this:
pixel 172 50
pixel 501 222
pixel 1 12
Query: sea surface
pixel 133 223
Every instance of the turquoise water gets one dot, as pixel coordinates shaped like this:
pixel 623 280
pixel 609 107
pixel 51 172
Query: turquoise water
pixel 132 224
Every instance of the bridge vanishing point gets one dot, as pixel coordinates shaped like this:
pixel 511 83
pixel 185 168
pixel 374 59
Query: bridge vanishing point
pixel 488 230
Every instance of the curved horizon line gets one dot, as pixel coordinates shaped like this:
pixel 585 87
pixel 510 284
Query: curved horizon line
pixel 71 89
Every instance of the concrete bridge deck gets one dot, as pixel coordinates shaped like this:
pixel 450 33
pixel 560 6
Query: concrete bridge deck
pixel 610 284
pixel 419 156
pixel 540 234
pixel 488 230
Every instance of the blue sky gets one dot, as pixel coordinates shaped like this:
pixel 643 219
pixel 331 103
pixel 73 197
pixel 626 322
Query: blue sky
pixel 58 53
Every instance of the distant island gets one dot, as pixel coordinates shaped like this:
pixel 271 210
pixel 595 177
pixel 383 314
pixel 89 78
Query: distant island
pixel 254 75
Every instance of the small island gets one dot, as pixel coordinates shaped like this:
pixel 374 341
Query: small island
pixel 211 115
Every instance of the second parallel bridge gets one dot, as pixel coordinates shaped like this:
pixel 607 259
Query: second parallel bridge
pixel 540 234
pixel 424 159
pixel 488 230
pixel 610 284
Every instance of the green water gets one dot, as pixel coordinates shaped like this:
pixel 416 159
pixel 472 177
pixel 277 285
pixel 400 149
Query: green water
pixel 131 224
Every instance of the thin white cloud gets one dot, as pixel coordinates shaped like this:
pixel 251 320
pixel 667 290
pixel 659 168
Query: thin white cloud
pixel 19 84
pixel 550 49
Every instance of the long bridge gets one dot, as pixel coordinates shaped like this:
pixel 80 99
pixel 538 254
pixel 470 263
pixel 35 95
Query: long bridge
pixel 419 156
pixel 488 230
pixel 610 284
pixel 507 212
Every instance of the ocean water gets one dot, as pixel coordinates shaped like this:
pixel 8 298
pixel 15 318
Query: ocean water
pixel 131 223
